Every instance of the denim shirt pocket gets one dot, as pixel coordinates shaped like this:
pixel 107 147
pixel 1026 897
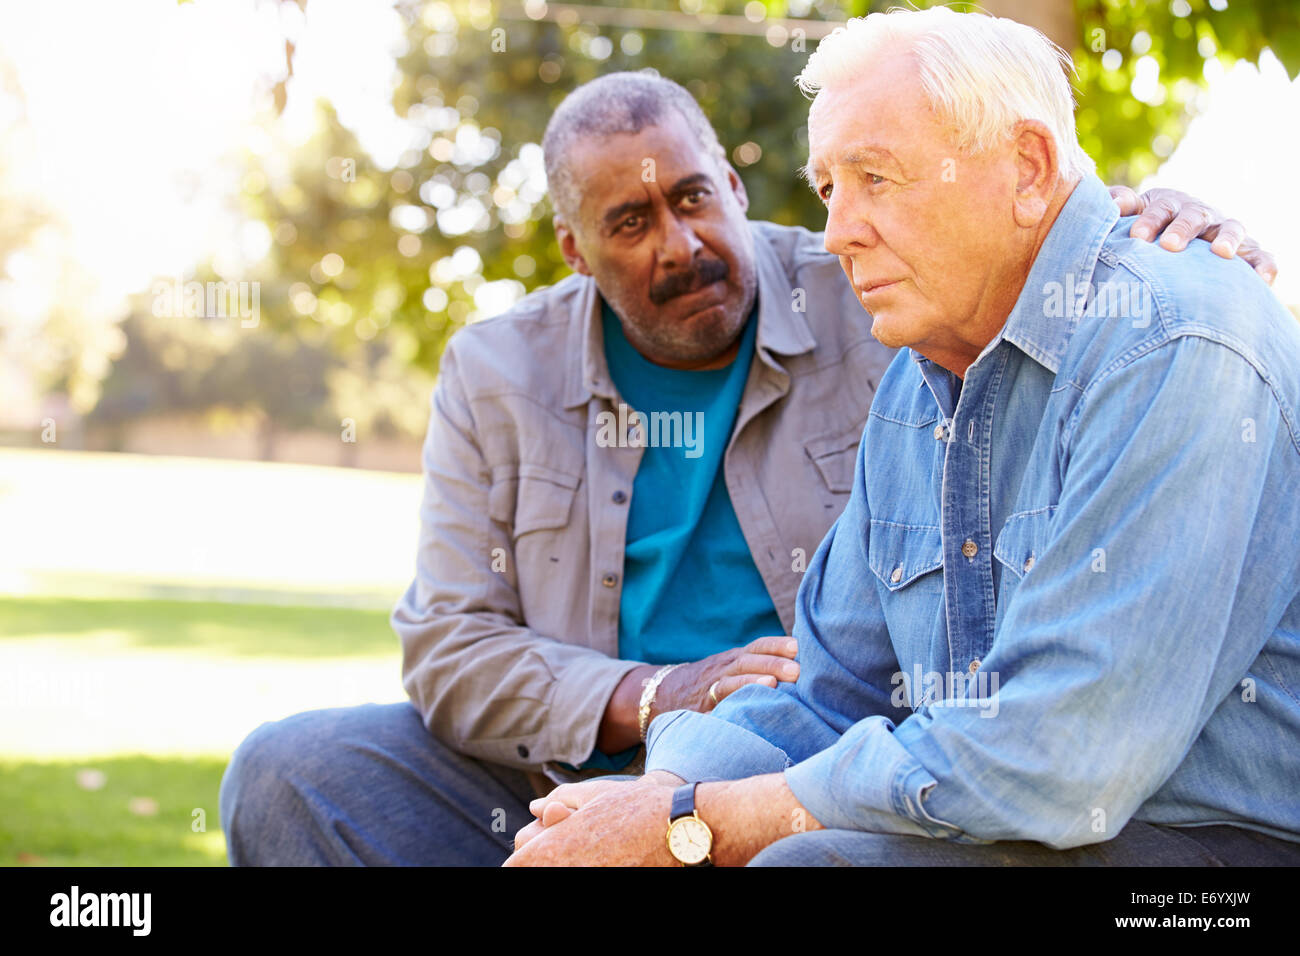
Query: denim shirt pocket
pixel 1023 539
pixel 899 554
pixel 536 497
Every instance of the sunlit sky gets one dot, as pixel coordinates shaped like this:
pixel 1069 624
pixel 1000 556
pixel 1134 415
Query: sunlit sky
pixel 139 113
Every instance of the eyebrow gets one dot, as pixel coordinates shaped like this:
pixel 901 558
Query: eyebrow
pixel 854 157
pixel 613 216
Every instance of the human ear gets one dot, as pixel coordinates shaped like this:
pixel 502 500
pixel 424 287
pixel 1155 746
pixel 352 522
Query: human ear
pixel 1037 172
pixel 737 186
pixel 569 247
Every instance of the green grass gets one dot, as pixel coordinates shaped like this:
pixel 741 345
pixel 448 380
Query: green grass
pixel 47 819
pixel 235 630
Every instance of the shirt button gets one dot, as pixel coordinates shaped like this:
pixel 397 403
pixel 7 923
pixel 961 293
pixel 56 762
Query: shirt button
pixel 609 580
pixel 620 496
pixel 897 575
pixel 970 548
pixel 522 751
pixel 974 665
pixel 940 432
pixel 1029 563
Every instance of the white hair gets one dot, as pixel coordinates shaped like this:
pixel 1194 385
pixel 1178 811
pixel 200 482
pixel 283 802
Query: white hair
pixel 981 74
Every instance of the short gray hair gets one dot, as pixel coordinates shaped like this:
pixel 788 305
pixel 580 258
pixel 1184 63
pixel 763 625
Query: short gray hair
pixel 615 103
pixel 981 74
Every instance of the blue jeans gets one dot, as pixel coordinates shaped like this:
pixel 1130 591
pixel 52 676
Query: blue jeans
pixel 1138 844
pixel 366 786
pixel 371 786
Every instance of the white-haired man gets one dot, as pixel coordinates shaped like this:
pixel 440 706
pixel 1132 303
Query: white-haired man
pixel 1057 621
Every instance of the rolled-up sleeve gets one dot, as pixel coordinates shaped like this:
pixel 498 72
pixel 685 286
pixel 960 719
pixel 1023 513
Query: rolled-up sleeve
pixel 483 681
pixel 696 746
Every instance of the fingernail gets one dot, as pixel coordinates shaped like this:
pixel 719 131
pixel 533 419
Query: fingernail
pixel 1141 232
pixel 792 647
pixel 790 670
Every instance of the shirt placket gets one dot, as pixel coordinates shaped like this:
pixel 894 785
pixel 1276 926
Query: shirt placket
pixel 611 472
pixel 967 539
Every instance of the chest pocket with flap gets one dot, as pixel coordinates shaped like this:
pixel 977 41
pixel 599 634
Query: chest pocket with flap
pixel 532 497
pixel 900 554
pixel 835 457
pixel 1023 539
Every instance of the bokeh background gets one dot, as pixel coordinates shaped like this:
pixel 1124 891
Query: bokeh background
pixel 208 506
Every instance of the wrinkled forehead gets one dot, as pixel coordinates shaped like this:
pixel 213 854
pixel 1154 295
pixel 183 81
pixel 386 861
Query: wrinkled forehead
pixel 614 168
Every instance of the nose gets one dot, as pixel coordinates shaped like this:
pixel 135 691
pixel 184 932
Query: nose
pixel 848 227
pixel 678 244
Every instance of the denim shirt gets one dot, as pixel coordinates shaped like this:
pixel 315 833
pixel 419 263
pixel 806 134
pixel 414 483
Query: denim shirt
pixel 1063 594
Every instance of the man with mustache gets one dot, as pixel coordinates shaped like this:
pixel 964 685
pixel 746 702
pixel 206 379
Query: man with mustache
pixel 624 478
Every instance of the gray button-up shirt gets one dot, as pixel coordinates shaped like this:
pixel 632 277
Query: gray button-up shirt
pixel 510 629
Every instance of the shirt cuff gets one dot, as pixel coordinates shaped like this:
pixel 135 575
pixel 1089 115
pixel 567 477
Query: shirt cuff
pixel 696 746
pixel 577 706
pixel 868 781
pixel 599 760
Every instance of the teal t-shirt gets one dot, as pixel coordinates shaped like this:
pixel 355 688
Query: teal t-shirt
pixel 690 586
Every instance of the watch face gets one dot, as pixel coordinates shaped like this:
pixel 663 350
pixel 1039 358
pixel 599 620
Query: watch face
pixel 690 840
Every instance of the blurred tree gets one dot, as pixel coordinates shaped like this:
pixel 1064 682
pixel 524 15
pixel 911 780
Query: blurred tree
pixel 331 282
pixel 191 364
pixel 62 346
pixel 1143 70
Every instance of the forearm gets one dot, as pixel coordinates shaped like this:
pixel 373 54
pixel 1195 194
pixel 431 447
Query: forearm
pixel 748 815
pixel 620 724
pixel 694 686
pixel 508 695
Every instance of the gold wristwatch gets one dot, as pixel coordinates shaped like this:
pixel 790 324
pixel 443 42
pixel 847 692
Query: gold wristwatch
pixel 690 840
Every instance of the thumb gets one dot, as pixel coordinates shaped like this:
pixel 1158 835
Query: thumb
pixel 554 812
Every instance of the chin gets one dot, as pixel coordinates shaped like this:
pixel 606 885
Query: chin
pixel 890 332
pixel 721 319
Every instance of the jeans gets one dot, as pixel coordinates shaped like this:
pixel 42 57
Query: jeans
pixel 1138 844
pixel 366 786
pixel 371 786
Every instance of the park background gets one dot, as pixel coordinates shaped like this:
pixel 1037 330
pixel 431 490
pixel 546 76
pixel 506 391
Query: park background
pixel 205 518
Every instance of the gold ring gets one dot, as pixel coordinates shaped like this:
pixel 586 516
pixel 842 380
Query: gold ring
pixel 713 691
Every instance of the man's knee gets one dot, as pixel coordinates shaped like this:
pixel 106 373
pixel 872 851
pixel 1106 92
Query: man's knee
pixel 260 784
pixel 249 784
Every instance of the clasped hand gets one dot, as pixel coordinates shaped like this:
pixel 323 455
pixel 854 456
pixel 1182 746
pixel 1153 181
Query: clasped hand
pixel 600 823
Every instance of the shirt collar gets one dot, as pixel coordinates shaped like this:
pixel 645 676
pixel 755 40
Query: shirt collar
pixel 782 329
pixel 1048 308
